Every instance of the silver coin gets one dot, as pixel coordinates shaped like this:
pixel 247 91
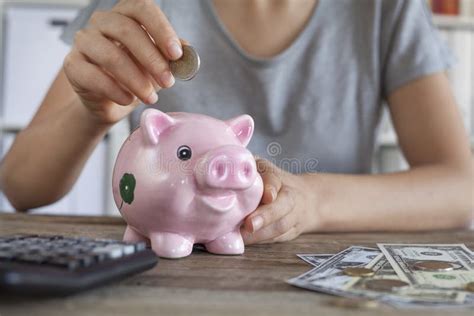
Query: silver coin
pixel 187 66
pixel 436 265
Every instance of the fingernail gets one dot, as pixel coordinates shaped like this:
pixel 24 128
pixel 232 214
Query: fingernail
pixel 175 50
pixel 273 191
pixel 274 194
pixel 152 98
pixel 257 223
pixel 167 79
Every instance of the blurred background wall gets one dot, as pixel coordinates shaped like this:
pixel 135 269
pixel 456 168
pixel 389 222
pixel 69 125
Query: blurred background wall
pixel 31 54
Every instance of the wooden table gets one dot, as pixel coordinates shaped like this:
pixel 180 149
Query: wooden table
pixel 204 284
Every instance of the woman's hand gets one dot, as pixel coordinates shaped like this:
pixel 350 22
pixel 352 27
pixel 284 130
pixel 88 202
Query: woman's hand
pixel 286 210
pixel 122 55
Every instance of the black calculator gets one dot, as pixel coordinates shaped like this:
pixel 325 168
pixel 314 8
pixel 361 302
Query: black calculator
pixel 41 265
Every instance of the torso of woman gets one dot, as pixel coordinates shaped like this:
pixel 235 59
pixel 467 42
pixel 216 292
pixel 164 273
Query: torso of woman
pixel 309 115
pixel 312 76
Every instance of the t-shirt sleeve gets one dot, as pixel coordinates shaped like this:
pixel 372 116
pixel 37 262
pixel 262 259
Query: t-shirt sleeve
pixel 410 44
pixel 83 17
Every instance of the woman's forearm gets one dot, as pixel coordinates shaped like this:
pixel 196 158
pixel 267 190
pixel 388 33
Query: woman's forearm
pixel 48 156
pixel 423 198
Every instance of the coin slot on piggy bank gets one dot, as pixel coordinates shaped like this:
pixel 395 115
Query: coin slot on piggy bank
pixel 183 178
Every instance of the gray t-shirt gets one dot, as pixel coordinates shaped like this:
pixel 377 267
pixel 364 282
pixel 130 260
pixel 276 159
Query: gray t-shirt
pixel 317 104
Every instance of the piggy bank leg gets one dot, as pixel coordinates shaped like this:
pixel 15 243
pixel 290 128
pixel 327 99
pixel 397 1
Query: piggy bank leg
pixel 170 245
pixel 131 235
pixel 228 244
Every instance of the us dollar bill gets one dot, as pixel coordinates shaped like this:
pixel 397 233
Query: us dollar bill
pixel 350 257
pixel 339 284
pixel 406 258
pixel 408 296
pixel 315 259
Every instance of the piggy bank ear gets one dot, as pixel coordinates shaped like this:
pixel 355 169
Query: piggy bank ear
pixel 242 126
pixel 153 124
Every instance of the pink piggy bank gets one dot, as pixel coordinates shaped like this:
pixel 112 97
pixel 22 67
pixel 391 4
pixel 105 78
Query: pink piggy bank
pixel 183 178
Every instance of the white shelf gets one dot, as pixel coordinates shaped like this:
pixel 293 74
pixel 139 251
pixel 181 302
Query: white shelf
pixel 10 127
pixel 454 22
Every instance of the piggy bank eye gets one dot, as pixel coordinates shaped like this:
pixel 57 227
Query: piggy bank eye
pixel 184 152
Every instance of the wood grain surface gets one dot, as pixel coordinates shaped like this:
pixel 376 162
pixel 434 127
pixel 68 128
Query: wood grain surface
pixel 205 284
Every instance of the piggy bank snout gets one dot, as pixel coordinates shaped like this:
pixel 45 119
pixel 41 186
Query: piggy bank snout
pixel 228 167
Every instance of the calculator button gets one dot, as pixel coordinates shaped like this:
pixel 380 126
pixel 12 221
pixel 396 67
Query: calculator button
pixel 99 257
pixel 5 247
pixel 35 240
pixel 128 249
pixel 85 260
pixel 5 255
pixel 140 246
pixel 33 258
pixel 111 251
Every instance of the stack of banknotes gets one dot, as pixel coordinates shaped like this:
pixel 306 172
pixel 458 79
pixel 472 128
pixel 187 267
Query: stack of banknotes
pixel 400 275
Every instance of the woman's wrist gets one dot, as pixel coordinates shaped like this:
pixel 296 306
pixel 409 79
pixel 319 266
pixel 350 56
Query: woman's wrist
pixel 91 123
pixel 315 201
